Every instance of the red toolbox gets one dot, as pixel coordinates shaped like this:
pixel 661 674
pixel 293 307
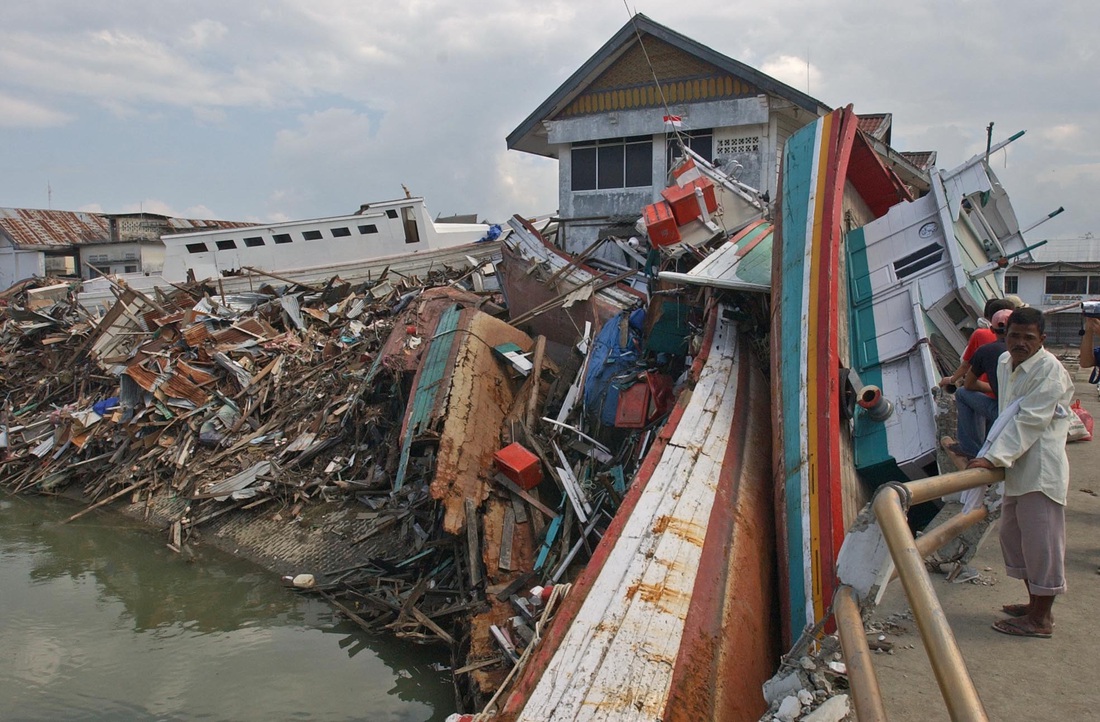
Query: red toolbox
pixel 519 465
pixel 682 199
pixel 660 224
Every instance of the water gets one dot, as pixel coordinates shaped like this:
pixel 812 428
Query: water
pixel 100 621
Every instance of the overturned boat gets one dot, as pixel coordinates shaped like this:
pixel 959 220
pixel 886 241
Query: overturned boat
pixel 395 237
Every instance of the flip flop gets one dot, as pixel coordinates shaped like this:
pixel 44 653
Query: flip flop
pixel 1012 628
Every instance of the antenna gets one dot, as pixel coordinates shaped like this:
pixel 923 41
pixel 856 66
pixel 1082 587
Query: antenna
pixel 49 195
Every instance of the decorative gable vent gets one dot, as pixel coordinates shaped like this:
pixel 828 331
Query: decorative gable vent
pixel 733 146
pixel 918 260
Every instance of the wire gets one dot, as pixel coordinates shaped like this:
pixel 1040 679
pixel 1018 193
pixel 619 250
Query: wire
pixel 652 71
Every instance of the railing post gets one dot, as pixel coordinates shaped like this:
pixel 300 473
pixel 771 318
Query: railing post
pixel 956 685
pixel 862 680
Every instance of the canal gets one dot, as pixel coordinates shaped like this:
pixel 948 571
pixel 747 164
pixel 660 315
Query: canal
pixel 99 620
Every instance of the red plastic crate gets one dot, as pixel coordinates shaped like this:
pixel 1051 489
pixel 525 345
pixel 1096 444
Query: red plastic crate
pixel 660 225
pixel 519 465
pixel 685 207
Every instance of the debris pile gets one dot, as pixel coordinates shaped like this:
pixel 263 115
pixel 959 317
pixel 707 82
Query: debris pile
pixel 481 464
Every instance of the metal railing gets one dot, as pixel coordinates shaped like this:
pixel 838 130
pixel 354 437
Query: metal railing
pixel 890 505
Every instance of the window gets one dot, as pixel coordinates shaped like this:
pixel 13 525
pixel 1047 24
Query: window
pixel 340 232
pixel 253 241
pixel 700 141
pixel 918 260
pixel 1068 285
pixel 227 245
pixel 412 233
pixel 614 163
pixel 1012 284
pixel 196 248
pixel 129 256
pixel 97 258
pixel 1094 285
pixel 736 146
pixel 311 235
pixel 368 228
pixel 391 213
pixel 129 269
pixel 281 238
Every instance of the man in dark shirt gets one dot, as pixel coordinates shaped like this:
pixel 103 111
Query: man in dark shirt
pixel 982 375
pixel 976 401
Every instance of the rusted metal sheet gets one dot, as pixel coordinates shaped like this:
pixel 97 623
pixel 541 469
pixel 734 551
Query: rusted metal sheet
pixel 407 343
pixel 34 228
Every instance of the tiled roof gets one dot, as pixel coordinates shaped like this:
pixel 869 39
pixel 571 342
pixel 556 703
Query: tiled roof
pixel 875 125
pixel 923 159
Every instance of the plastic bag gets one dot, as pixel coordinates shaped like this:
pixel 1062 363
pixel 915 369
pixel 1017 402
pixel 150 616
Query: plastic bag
pixel 1080 424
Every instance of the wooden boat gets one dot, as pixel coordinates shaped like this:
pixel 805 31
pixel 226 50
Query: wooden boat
pixel 874 297
pixel 673 618
pixel 831 180
pixel 397 236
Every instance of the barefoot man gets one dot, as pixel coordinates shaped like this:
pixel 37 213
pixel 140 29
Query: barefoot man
pixel 1032 450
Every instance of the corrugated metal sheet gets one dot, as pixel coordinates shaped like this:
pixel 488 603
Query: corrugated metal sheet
pixel 30 227
pixel 190 225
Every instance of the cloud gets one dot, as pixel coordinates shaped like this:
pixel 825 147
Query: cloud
pixel 19 113
pixel 204 33
pixel 796 72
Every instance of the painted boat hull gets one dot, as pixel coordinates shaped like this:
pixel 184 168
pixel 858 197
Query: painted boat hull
pixel 673 618
pixel 831 181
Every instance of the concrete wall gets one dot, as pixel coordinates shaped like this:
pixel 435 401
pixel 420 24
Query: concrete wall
pixel 111 257
pixel 769 120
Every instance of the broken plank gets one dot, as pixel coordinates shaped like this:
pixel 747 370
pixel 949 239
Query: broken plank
pixel 504 559
pixel 472 546
pixel 521 493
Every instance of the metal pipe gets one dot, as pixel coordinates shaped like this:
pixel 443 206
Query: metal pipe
pixel 956 686
pixel 953 527
pixel 862 680
pixel 935 487
pixel 932 541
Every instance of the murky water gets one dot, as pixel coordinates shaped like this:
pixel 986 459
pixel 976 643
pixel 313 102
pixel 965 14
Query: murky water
pixel 100 621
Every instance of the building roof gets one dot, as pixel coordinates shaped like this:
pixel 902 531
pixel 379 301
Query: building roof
pixel 38 229
pixel 32 228
pixel 526 136
pixel 1081 251
pixel 876 125
pixel 923 159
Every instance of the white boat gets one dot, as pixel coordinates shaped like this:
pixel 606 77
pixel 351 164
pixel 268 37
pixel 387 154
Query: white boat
pixel 399 235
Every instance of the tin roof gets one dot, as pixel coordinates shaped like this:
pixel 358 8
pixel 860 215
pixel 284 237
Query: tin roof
pixel 47 229
pixel 32 228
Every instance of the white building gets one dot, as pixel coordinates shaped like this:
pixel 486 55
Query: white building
pixel 1065 271
pixel 612 126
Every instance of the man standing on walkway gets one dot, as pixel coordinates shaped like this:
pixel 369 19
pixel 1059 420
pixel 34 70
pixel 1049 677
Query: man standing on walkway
pixel 1035 392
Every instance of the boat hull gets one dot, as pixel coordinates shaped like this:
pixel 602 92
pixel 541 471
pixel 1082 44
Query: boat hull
pixel 673 618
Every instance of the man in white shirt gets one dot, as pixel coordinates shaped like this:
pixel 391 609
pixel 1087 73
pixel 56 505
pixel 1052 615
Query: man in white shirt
pixel 1032 450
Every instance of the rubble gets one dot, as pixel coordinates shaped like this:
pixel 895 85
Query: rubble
pixel 450 436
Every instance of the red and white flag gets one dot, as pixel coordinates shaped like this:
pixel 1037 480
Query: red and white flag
pixel 674 120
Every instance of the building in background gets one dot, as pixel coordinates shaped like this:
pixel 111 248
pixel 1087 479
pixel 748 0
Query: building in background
pixel 612 126
pixel 1065 271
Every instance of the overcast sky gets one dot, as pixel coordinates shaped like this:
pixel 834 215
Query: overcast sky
pixel 290 109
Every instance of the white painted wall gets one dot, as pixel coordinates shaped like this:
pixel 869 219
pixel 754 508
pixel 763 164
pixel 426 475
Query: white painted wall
pixel 15 265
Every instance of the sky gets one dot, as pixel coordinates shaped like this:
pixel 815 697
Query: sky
pixel 295 109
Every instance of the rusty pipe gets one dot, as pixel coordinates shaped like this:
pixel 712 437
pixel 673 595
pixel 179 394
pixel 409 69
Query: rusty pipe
pixel 956 685
pixel 862 680
pixel 935 487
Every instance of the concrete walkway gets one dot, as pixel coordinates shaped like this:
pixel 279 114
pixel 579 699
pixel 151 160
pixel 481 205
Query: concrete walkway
pixel 1017 678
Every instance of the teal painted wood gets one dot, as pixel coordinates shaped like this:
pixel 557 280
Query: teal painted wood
pixel 756 265
pixel 798 186
pixel 432 370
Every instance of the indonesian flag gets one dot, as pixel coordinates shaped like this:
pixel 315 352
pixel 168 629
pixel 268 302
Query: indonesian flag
pixel 674 120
